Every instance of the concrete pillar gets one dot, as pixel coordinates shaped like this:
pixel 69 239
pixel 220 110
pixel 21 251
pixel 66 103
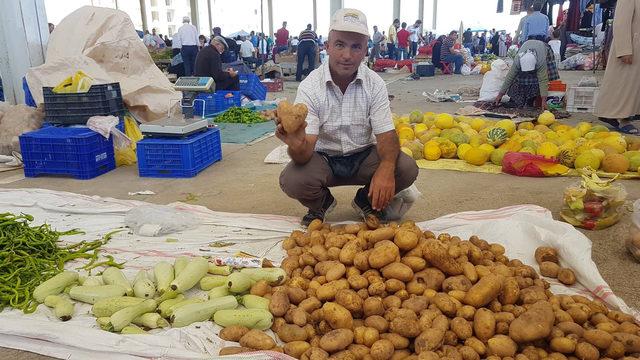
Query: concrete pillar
pixel 270 11
pixel 334 5
pixel 435 14
pixel 210 17
pixel 421 11
pixel 143 15
pixel 24 33
pixel 315 15
pixel 396 9
pixel 193 4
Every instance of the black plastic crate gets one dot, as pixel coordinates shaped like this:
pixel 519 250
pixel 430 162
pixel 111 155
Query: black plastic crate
pixel 77 108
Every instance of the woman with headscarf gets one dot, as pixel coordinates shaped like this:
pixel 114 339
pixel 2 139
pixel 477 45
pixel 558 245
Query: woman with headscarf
pixel 209 63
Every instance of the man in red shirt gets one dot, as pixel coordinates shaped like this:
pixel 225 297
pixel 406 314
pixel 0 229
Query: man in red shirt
pixel 403 42
pixel 282 39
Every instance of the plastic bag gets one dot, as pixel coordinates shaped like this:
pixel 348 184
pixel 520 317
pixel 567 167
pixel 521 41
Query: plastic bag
pixel 593 204
pixel 466 70
pixel 633 241
pixel 127 155
pixel 78 83
pixel 154 220
pixel 401 203
pixel 492 81
pixel 525 164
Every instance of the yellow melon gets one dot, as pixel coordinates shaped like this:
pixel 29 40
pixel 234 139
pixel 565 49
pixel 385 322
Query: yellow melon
pixel 546 118
pixel 587 159
pixel 444 121
pixel 462 150
pixel 432 152
pixel 548 150
pixel 476 156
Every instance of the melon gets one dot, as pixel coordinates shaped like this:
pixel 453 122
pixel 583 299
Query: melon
pixel 432 152
pixel 476 156
pixel 447 133
pixel 548 150
pixel 462 150
pixel 497 136
pixel 416 149
pixel 444 121
pixel 567 157
pixel 459 139
pixel 407 151
pixel 528 150
pixel 615 163
pixel 527 125
pixel 497 155
pixel 587 159
pixel 546 118
pixel 634 162
pixel 508 125
pixel 447 148
pixel 415 116
pixel 477 124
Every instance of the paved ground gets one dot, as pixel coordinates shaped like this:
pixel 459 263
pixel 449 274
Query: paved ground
pixel 243 183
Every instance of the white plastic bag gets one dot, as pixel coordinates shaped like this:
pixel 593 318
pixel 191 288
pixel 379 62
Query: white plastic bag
pixel 466 70
pixel 155 220
pixel 493 79
pixel 401 203
pixel 105 126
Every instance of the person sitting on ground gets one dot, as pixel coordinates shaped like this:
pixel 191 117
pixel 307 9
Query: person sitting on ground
pixel 209 63
pixel 450 54
pixel 436 52
pixel 528 79
pixel 349 136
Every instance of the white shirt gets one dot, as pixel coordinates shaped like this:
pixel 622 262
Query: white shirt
pixel 175 42
pixel 148 40
pixel 188 35
pixel 295 42
pixel 262 46
pixel 345 123
pixel 246 49
pixel 414 32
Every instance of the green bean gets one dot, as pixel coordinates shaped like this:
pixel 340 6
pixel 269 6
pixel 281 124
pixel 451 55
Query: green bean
pixel 31 255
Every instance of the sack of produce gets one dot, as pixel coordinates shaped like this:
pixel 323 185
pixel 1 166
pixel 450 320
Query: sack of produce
pixel 633 241
pixel 155 220
pixel 593 204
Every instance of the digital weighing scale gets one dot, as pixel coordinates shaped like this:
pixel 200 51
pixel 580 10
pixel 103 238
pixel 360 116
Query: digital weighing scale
pixel 186 124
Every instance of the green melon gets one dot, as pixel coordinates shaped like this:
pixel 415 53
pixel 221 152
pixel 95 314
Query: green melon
pixel 459 139
pixel 497 136
pixel 567 157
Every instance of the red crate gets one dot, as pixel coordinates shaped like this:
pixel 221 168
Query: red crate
pixel 274 86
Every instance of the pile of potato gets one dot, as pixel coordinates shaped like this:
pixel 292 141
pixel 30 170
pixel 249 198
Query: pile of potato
pixel 365 291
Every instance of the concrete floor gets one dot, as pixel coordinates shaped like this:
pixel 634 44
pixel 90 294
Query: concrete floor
pixel 243 183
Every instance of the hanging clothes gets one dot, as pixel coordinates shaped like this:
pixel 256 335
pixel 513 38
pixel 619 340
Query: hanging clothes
pixel 500 6
pixel 573 15
pixel 561 15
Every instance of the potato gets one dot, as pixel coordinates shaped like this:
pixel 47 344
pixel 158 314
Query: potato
pixel 549 269
pixel 336 272
pixel 290 332
pixel 349 251
pixel 501 345
pixel 431 278
pixel 233 333
pixel 377 322
pixel 358 282
pixel 545 253
pixel 586 351
pixel 350 300
pixel 360 351
pixel 405 239
pixel 484 324
pixel 406 327
pixel 361 260
pixel 365 335
pixel 429 355
pixel 477 345
pixel 382 350
pixel 468 353
pixel 260 288
pixel 383 254
pixel 258 340
pixel 328 291
pixel 563 345
pixel 336 340
pixel 296 348
pixel 429 340
pixel 397 271
pixel 394 285
pixel 310 304
pixel 416 304
pixel 399 342
pixel 462 328
pixel 296 316
pixel 534 324
pixel 279 304
pixel 337 316
pixel 377 288
pixel 401 354
pixel 628 327
pixel 437 255
pixel 616 350
pixel 441 322
pixel 296 295
pixel 631 342
pixel 578 316
pixel 620 317
pixel 566 276
pixel 391 301
pixel 459 282
pixel 343 355
pixel 232 350
pixel 373 306
pixel 484 291
pixel 445 303
pixel 569 327
pixel 416 263
pixel 315 353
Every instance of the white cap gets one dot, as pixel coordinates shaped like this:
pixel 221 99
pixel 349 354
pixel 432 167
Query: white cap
pixel 528 61
pixel 186 19
pixel 350 20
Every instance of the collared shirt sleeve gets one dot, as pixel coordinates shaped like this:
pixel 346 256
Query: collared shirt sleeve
pixel 380 114
pixel 305 96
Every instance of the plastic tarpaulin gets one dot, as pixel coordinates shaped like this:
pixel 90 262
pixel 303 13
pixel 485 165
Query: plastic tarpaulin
pixel 519 228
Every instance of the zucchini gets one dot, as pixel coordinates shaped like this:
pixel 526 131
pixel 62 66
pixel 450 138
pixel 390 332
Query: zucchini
pixel 217 292
pixel 167 295
pixel 91 294
pixel 209 282
pixel 174 307
pixel 124 317
pixel 255 302
pixel 165 305
pixel 62 307
pixel 274 276
pixel 93 281
pixel 55 285
pixel 143 287
pixel 252 318
pixel 219 270
pixel 195 270
pixel 238 282
pixel 114 276
pixel 151 320
pixel 163 272
pixel 132 330
pixel 103 322
pixel 179 264
pixel 191 313
pixel 108 306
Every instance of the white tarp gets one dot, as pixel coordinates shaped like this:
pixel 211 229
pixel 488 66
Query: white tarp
pixel 519 228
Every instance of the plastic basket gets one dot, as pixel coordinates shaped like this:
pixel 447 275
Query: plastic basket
pixel 77 152
pixel 274 86
pixel 581 99
pixel 251 87
pixel 77 108
pixel 178 158
pixel 217 102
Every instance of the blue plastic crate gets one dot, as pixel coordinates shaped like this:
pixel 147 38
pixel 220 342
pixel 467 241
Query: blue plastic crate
pixel 217 102
pixel 77 108
pixel 178 158
pixel 72 151
pixel 251 87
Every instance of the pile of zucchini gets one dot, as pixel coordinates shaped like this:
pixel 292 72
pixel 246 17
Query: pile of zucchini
pixel 157 297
